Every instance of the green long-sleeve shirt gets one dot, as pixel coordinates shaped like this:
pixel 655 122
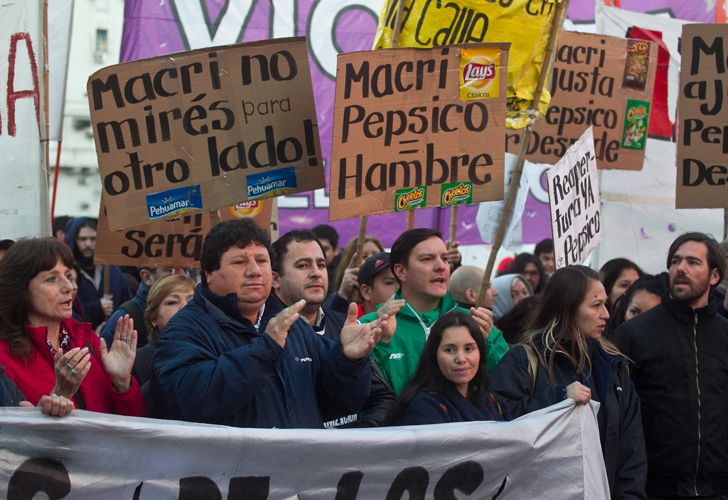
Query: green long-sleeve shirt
pixel 398 359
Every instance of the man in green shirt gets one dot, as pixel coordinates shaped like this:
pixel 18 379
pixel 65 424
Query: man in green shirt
pixel 419 262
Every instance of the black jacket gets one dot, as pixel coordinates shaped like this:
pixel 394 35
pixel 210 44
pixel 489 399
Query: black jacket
pixel 381 396
pixel 681 376
pixel 447 406
pixel 620 426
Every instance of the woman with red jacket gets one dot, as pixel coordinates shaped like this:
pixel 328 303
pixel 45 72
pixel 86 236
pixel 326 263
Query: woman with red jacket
pixel 44 350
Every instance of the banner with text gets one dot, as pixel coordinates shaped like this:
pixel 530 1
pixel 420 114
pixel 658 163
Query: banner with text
pixel 598 81
pixel 24 202
pixel 204 130
pixel 418 128
pixel 702 147
pixel 170 243
pixel 574 200
pixel 430 24
pixel 550 454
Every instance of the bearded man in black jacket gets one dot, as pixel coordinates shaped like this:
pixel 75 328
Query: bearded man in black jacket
pixel 680 355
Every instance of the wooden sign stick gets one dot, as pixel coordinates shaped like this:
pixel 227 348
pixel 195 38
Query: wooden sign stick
pixel 510 199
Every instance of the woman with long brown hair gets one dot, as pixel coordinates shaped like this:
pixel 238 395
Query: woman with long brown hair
pixel 44 350
pixel 451 380
pixel 564 355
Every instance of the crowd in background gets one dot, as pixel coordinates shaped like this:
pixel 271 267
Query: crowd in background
pixel 304 332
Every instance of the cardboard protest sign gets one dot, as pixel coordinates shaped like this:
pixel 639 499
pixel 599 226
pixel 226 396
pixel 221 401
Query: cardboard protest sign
pixel 169 243
pixel 702 147
pixel 202 130
pixel 574 201
pixel 418 127
pixel 428 24
pixel 599 81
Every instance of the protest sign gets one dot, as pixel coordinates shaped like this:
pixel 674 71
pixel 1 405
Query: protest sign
pixel 429 24
pixel 598 81
pixel 169 243
pixel 416 128
pixel 205 129
pixel 550 454
pixel 702 148
pixel 574 201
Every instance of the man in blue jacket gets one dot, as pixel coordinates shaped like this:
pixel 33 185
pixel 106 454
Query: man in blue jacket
pixel 214 364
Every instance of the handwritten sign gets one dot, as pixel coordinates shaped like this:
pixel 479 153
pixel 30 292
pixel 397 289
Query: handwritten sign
pixel 574 200
pixel 702 148
pixel 418 127
pixel 205 129
pixel 601 82
pixel 170 243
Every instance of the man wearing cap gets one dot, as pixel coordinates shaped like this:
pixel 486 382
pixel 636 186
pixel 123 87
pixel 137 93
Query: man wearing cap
pixel 420 265
pixel 376 282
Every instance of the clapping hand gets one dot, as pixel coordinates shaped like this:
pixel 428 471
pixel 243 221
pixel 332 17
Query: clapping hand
pixel 120 359
pixel 279 325
pixel 70 369
pixel 358 340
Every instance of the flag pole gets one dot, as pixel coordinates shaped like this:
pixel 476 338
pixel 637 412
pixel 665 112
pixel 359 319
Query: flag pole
pixel 559 16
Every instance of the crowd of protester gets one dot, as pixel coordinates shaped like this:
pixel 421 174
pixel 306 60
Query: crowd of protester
pixel 301 333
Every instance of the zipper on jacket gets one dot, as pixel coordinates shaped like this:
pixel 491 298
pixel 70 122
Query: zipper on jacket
pixel 697 386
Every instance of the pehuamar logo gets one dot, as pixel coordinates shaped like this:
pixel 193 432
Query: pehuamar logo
pixel 174 202
pixel 269 184
pixel 455 193
pixel 410 198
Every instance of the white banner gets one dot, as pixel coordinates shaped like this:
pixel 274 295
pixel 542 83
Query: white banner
pixel 574 202
pixel 24 206
pixel 550 454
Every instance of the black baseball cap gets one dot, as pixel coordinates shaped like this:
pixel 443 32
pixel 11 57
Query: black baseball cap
pixel 373 266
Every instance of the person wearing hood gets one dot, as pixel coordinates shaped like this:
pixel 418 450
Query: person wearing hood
pixel 81 238
pixel 510 290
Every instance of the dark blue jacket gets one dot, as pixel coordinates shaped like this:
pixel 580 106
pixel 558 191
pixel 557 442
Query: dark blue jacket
pixel 213 366
pixel 450 406
pixel 140 300
pixel 335 310
pixel 620 422
pixel 88 295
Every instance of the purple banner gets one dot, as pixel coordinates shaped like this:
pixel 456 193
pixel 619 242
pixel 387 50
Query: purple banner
pixel 153 28
pixel 693 10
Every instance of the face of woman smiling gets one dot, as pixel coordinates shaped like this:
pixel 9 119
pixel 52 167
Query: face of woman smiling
pixel 458 357
pixel 51 296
